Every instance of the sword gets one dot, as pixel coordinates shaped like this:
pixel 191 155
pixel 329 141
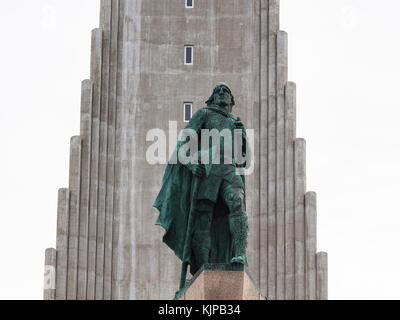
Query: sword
pixel 189 231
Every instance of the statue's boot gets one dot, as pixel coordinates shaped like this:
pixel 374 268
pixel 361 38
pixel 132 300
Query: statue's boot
pixel 239 230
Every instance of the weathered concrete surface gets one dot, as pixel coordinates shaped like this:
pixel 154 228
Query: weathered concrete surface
pixel 50 264
pixel 153 80
pixel 322 276
pixel 273 27
pixel 95 76
pixel 74 204
pixel 105 25
pixel 290 136
pixel 86 129
pixel 112 112
pixel 282 78
pixel 262 245
pixel 299 229
pixel 139 82
pixel 62 243
pixel 311 244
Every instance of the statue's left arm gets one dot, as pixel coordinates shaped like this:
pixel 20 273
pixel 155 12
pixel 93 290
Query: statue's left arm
pixel 246 152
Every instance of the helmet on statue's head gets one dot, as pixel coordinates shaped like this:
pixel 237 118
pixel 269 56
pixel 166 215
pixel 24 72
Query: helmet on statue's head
pixel 211 100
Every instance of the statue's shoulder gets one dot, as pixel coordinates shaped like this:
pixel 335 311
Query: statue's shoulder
pixel 204 110
pixel 201 113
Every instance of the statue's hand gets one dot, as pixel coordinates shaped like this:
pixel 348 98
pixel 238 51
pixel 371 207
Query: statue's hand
pixel 198 170
pixel 239 124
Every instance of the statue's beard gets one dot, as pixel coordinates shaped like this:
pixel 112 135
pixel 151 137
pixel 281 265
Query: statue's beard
pixel 223 105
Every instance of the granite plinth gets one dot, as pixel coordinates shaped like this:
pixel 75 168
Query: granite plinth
pixel 221 282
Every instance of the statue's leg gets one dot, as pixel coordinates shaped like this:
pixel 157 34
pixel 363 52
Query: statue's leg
pixel 234 197
pixel 201 240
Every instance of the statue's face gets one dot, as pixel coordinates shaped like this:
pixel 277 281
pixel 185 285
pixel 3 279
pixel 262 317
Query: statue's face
pixel 222 96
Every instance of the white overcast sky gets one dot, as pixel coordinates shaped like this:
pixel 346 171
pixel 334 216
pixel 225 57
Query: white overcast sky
pixel 344 57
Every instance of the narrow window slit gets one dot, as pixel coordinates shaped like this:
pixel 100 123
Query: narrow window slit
pixel 189 3
pixel 188 111
pixel 188 55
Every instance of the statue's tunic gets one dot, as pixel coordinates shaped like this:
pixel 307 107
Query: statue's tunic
pixel 214 118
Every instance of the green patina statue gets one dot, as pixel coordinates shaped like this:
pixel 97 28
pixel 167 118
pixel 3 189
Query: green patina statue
pixel 202 207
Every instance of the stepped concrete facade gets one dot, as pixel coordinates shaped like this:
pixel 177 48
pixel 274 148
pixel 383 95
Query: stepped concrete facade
pixel 107 244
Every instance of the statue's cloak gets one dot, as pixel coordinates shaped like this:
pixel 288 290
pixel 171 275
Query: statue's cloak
pixel 174 204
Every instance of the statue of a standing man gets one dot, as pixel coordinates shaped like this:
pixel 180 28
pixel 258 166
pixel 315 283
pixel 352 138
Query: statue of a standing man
pixel 203 208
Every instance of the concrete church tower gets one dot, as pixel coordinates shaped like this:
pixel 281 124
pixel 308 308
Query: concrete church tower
pixel 107 244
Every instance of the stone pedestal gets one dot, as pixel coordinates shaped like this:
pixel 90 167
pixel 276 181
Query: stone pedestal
pixel 221 282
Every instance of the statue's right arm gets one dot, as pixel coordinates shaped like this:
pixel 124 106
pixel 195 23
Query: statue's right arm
pixel 195 125
pixel 197 121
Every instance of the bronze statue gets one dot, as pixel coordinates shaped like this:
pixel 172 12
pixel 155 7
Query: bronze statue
pixel 203 207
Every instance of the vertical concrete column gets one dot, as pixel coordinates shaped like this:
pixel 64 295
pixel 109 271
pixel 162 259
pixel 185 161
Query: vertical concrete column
pixel 132 233
pixel 73 235
pixel 263 145
pixel 50 275
pixel 86 129
pixel 311 244
pixel 105 14
pixel 105 23
pixel 112 109
pixel 322 276
pixel 254 121
pixel 120 183
pixel 290 136
pixel 281 80
pixel 62 244
pixel 96 66
pixel 273 22
pixel 300 190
